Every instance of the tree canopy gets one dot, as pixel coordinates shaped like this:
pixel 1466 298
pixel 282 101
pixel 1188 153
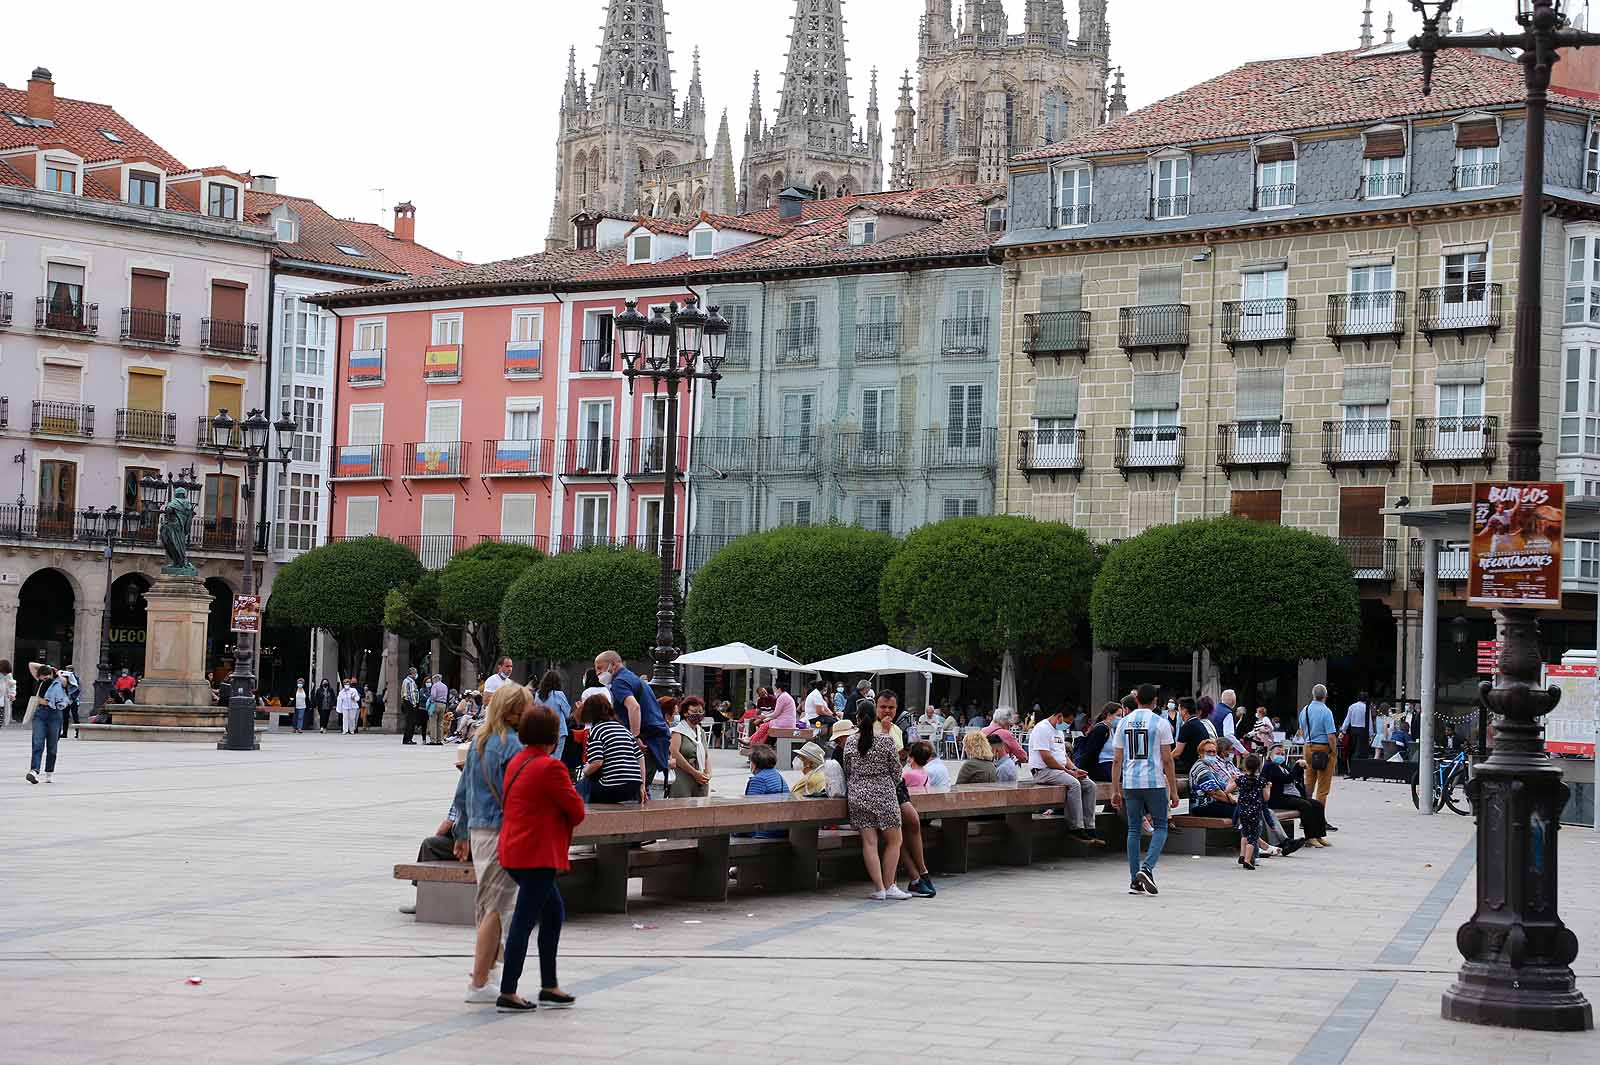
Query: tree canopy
pixel 342 587
pixel 460 603
pixel 1238 588
pixel 978 587
pixel 570 607
pixel 813 590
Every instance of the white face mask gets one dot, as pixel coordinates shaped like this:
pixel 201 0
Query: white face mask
pixel 1172 706
pixel 605 678
pixel 798 764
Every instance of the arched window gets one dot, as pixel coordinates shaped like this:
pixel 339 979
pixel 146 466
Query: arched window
pixel 674 206
pixel 1055 117
pixel 1011 117
pixel 947 135
pixel 763 195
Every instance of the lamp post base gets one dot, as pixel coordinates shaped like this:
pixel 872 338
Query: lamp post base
pixel 241 733
pixel 1541 998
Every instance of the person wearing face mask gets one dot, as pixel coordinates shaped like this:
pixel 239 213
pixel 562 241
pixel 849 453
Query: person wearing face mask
pixel 1096 743
pixel 687 751
pixel 1049 763
pixel 812 763
pixel 1289 793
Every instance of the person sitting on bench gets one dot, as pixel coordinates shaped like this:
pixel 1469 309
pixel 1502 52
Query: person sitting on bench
pixel 1288 793
pixel 1005 766
pixel 819 774
pixel 442 845
pixel 978 766
pixel 1049 763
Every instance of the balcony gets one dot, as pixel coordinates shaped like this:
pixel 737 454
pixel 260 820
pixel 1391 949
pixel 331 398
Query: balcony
pixel 524 359
pixel 365 367
pixel 869 453
pixel 226 535
pixel 567 543
pixel 1459 309
pixel 1153 328
pixel 1361 443
pixel 1383 186
pixel 433 549
pixel 1255 445
pixel 800 455
pixel 1073 215
pixel 430 459
pixel 722 457
pixel 64 318
pixel 1476 176
pixel 159 328
pixel 1055 333
pixel 965 337
pixel 517 458
pixel 1372 557
pixel 5 309
pixel 134 530
pixel 1169 206
pixel 590 457
pixel 798 347
pixel 147 427
pixel 958 449
pixel 441 363
pixel 361 462
pixel 537 541
pixel 701 546
pixel 240 339
pixel 1050 451
pixel 737 350
pixel 650 544
pixel 1456 441
pixel 203 435
pixel 1272 196
pixel 1455 562
pixel 62 419
pixel 594 356
pixel 1257 323
pixel 647 458
pixel 1154 449
pixel 1366 316
pixel 879 340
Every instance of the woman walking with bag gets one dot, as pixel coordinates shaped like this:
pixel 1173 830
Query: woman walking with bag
pixel 872 780
pixel 541 810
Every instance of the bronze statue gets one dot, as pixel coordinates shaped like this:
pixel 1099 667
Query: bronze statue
pixel 176 517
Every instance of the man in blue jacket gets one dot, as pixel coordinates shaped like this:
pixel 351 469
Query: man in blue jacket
pixel 48 720
pixel 638 709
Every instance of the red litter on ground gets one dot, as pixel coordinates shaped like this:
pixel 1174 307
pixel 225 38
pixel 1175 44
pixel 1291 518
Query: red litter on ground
pixel 193 981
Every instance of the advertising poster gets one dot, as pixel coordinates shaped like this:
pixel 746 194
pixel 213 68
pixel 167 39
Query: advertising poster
pixel 1516 544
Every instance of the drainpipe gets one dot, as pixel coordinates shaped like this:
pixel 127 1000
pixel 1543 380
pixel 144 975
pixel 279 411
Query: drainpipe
pixel 1429 558
pixel 1211 359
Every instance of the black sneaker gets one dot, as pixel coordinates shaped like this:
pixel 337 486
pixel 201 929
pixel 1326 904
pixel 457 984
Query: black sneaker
pixel 1136 887
pixel 1147 881
pixel 1333 828
pixel 513 1004
pixel 33 778
pixel 556 1000
pixel 922 888
pixel 1292 845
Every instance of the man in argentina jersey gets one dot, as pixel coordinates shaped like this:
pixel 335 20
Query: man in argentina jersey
pixel 1144 782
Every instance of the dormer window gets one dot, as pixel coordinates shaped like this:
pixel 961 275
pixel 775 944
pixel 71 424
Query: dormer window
pixel 586 233
pixel 222 201
pixel 1477 153
pixel 1074 187
pixel 1384 164
pixel 863 229
pixel 639 247
pixel 60 177
pixel 1170 188
pixel 995 220
pixel 144 189
pixel 1275 175
pixel 702 243
pixel 110 135
pixel 287 231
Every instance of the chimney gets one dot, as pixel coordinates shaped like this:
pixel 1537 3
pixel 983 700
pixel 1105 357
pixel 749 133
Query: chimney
pixel 792 201
pixel 41 95
pixel 405 222
pixel 263 183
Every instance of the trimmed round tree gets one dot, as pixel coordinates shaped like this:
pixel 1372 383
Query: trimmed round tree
pixel 979 587
pixel 342 587
pixel 571 607
pixel 812 590
pixel 461 602
pixel 1234 587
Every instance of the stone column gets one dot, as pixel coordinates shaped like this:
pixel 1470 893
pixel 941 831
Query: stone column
pixel 10 596
pixel 1408 653
pixel 389 681
pixel 1312 671
pixel 1100 683
pixel 177 610
pixel 86 623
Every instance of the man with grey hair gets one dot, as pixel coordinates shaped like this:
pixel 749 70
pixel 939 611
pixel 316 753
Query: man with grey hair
pixel 1318 730
pixel 1004 719
pixel 1228 710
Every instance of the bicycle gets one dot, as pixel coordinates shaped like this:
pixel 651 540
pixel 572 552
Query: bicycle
pixel 1449 774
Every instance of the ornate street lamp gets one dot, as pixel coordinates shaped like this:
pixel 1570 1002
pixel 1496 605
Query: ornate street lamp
pixel 1519 954
pixel 254 439
pixel 670 348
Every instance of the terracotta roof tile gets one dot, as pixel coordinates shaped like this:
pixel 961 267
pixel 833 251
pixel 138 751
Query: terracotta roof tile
pixel 319 234
pixel 78 123
pixel 1337 88
pixel 412 258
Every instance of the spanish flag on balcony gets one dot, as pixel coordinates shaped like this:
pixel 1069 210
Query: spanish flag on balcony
pixel 434 458
pixel 358 461
pixel 524 356
pixel 514 456
pixel 443 360
pixel 366 366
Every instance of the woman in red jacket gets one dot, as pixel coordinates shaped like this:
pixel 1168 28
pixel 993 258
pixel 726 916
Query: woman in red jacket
pixel 541 810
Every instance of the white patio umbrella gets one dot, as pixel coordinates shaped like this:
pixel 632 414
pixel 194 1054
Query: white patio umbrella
pixel 739 656
pixel 1008 684
pixel 882 659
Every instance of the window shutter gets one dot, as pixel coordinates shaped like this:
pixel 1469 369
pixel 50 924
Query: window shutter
pixel 438 515
pixel 1275 152
pixel 1365 385
pixel 1160 285
pixel 366 426
pixel 149 292
pixel 63 274
pixel 227 301
pixel 1055 397
pixel 361 516
pixel 1452 493
pixel 144 390
pixel 1260 395
pixel 1265 505
pixel 1479 133
pixel 516 515
pixel 1061 293
pixel 1155 391
pixel 1385 144
pixel 1468 372
pixel 444 423
pixel 1359 511
pixel 61 383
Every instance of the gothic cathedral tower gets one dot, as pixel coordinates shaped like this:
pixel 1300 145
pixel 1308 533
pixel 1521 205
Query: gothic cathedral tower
pixel 985 94
pixel 624 145
pixel 812 141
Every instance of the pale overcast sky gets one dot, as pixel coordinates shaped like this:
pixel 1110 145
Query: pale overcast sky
pixel 454 107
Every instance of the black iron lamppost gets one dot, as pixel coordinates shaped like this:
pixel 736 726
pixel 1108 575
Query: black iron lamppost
pixel 250 441
pixel 670 351
pixel 1519 954
pixel 104 525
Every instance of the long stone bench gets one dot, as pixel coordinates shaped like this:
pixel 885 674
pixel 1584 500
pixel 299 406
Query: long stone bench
pixel 1188 834
pixel 684 848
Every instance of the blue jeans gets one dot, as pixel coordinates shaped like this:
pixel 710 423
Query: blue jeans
pixel 48 722
pixel 1136 804
pixel 538 902
pixel 299 718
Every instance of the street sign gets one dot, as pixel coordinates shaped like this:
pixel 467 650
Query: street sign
pixel 246 613
pixel 1516 544
pixel 1488 657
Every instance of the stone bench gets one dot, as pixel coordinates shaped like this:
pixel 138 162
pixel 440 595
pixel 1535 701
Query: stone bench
pixel 1188 834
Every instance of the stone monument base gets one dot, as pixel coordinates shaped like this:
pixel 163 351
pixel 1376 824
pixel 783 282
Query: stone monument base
pixel 170 724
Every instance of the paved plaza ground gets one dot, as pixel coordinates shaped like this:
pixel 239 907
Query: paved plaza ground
pixel 267 876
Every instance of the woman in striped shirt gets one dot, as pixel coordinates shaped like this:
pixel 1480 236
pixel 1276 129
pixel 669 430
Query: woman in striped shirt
pixel 615 764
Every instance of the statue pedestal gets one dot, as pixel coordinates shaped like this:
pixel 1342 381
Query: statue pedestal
pixel 174 698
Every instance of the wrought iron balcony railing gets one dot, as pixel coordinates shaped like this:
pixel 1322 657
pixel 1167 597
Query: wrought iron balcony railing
pixel 1383 186
pixel 1073 215
pixel 956 448
pixel 517 458
pixel 64 316
pixel 648 457
pixel 147 427
pixel 879 340
pixel 798 455
pixel 594 356
pixel 1258 322
pixel 798 347
pixel 1055 333
pixel 62 419
pixel 737 350
pixel 1169 206
pixel 5 309
pixel 434 549
pixel 143 326
pixel 361 462
pixel 1372 557
pixel 1151 328
pixel 1456 441
pixel 1455 561
pixel 1270 196
pixel 1050 451
pixel 230 338
pixel 1473 307
pixel 1476 176
pixel 871 452
pixel 721 457
pixel 1152 449
pixel 1361 442
pixel 966 336
pixel 1365 315
pixel 204 435
pixel 1255 445
pixel 588 457
pixel 434 458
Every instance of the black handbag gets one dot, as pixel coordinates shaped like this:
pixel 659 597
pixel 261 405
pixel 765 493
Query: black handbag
pixel 1319 759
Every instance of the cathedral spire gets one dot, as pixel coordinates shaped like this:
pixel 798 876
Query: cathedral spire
pixel 634 59
pixel 905 136
pixel 1118 105
pixel 696 102
pixel 816 87
pixel 1366 25
pixel 1388 30
pixel 571 98
pixel 724 178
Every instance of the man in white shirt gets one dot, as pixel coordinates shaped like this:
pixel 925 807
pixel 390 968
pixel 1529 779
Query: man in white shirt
pixel 410 706
pixel 349 705
pixel 817 705
pixel 1358 726
pixel 930 726
pixel 502 673
pixel 1049 763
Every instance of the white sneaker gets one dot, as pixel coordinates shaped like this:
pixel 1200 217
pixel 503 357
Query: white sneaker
pixel 47 778
pixel 878 896
pixel 33 778
pixel 896 894
pixel 483 996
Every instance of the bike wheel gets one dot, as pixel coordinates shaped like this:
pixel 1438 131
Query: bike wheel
pixel 1457 802
pixel 1415 798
